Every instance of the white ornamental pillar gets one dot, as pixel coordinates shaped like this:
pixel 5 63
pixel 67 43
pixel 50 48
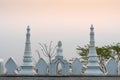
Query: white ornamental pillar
pixel 28 67
pixel 93 67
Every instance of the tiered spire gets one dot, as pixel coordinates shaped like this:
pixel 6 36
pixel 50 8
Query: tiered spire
pixel 27 52
pixel 27 68
pixel 93 67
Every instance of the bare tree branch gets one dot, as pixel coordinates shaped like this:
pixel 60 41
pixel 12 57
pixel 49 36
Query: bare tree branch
pixel 44 53
pixel 50 47
pixel 42 47
pixel 54 50
pixel 38 53
pixel 48 50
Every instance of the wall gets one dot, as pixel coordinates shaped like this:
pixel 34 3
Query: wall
pixel 60 78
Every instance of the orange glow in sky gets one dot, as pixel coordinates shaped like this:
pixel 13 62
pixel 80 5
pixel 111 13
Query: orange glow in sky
pixel 65 20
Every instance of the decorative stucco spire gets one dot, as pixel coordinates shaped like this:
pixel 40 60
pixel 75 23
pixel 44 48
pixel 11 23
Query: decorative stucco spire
pixel 92 50
pixel 59 49
pixel 28 67
pixel 27 52
pixel 93 67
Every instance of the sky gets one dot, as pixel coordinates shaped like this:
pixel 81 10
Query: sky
pixel 53 20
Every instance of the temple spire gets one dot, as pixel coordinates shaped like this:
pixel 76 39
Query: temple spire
pixel 92 50
pixel 28 67
pixel 93 67
pixel 27 52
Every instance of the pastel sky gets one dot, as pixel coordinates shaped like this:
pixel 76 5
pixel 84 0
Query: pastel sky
pixel 54 20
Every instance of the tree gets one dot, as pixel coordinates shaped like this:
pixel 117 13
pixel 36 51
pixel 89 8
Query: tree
pixel 104 51
pixel 104 54
pixel 48 50
pixel 83 51
pixel 116 50
pixel 38 54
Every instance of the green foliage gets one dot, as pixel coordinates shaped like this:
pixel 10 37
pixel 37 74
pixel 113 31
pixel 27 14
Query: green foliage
pixel 116 50
pixel 104 51
pixel 83 51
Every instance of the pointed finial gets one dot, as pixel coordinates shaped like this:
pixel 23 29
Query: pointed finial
pixel 59 44
pixel 28 28
pixel 91 28
pixel 59 49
